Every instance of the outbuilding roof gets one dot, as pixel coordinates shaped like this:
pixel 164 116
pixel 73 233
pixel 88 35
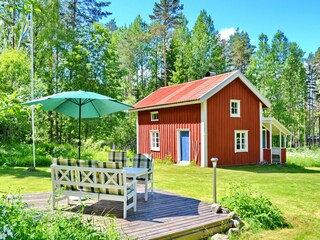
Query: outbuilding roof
pixel 194 92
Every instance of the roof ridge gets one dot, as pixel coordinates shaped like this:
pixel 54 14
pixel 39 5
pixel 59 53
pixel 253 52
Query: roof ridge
pixel 200 79
pixel 184 92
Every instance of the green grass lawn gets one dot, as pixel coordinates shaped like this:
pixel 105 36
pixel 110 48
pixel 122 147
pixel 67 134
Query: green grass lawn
pixel 293 189
pixel 19 180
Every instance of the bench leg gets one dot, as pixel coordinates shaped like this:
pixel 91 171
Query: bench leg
pixel 53 201
pixel 125 209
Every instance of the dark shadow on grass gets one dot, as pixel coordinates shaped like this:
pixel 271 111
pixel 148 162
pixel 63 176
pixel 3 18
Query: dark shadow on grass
pixel 23 172
pixel 274 168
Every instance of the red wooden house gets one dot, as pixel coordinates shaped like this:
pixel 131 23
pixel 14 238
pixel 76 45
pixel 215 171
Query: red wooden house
pixel 217 116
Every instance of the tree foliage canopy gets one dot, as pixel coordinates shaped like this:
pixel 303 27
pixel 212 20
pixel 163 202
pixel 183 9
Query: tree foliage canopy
pixel 77 47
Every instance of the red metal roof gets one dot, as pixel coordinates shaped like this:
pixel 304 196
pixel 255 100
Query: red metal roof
pixel 185 92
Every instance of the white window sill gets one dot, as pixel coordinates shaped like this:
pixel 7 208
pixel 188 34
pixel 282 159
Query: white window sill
pixel 155 149
pixel 239 151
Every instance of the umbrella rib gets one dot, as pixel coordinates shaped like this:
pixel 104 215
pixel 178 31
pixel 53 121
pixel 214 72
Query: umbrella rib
pixel 96 109
pixel 84 102
pixel 54 109
pixel 73 100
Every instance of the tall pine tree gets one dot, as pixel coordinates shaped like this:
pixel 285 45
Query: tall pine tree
pixel 240 50
pixel 167 14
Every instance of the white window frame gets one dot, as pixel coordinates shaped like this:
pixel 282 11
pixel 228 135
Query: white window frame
pixel 152 116
pixel 245 137
pixel 154 145
pixel 238 108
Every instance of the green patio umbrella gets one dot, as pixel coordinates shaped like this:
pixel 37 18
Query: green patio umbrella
pixel 80 104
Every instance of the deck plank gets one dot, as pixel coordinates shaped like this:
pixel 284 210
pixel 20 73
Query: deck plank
pixel 164 216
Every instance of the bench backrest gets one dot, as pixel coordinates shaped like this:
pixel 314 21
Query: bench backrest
pixel 118 157
pixel 89 176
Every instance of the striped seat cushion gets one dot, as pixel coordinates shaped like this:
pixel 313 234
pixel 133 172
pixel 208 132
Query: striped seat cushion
pixel 104 180
pixel 116 165
pixel 84 174
pixel 118 157
pixel 141 160
pixel 65 162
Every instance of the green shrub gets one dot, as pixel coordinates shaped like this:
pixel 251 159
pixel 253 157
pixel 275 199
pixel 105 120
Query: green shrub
pixel 20 154
pixel 168 160
pixel 20 222
pixel 254 208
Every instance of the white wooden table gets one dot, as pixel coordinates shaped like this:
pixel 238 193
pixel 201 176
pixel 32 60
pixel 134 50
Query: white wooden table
pixel 137 172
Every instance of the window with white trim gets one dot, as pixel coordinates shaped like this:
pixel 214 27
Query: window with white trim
pixel 241 141
pixel 154 116
pixel 234 108
pixel 155 140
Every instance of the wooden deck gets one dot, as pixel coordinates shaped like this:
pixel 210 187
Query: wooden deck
pixel 164 216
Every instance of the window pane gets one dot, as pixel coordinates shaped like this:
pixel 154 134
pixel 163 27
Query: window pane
pixel 241 141
pixel 154 116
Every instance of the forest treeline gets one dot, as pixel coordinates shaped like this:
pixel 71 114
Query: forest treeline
pixel 78 45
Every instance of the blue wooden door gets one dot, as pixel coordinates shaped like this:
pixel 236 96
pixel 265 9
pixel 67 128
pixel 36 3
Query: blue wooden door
pixel 184 146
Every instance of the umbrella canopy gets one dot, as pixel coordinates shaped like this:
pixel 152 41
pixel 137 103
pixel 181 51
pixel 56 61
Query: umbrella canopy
pixel 80 104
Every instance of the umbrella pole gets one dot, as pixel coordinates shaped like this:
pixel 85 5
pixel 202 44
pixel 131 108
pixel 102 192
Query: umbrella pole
pixel 79 143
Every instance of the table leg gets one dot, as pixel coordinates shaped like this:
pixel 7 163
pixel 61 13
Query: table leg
pixel 146 188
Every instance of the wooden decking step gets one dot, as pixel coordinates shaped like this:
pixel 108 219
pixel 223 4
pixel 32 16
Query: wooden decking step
pixel 164 216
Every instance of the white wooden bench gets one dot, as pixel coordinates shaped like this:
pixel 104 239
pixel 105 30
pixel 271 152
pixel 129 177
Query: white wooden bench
pixel 94 181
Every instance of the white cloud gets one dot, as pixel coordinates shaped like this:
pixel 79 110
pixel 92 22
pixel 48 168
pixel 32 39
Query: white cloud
pixel 225 33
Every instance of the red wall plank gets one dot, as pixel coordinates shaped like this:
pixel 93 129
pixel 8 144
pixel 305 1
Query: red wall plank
pixel 170 120
pixel 267 155
pixel 283 155
pixel 221 126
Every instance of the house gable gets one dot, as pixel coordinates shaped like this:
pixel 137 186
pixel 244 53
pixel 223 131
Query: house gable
pixel 222 127
pixel 228 80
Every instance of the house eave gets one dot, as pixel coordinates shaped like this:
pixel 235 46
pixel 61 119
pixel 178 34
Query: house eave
pixel 165 106
pixel 277 124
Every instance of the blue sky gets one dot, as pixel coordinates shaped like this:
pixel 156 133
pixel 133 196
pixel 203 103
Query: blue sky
pixel 298 19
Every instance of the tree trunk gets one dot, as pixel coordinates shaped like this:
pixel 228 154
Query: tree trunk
pixel 13 23
pixel 165 57
pixel 51 126
pixel 57 126
pixel 74 13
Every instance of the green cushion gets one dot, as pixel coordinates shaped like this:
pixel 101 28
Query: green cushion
pixel 142 161
pixel 94 164
pixel 89 163
pixel 118 157
pixel 117 165
pixel 65 162
pixel 114 165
